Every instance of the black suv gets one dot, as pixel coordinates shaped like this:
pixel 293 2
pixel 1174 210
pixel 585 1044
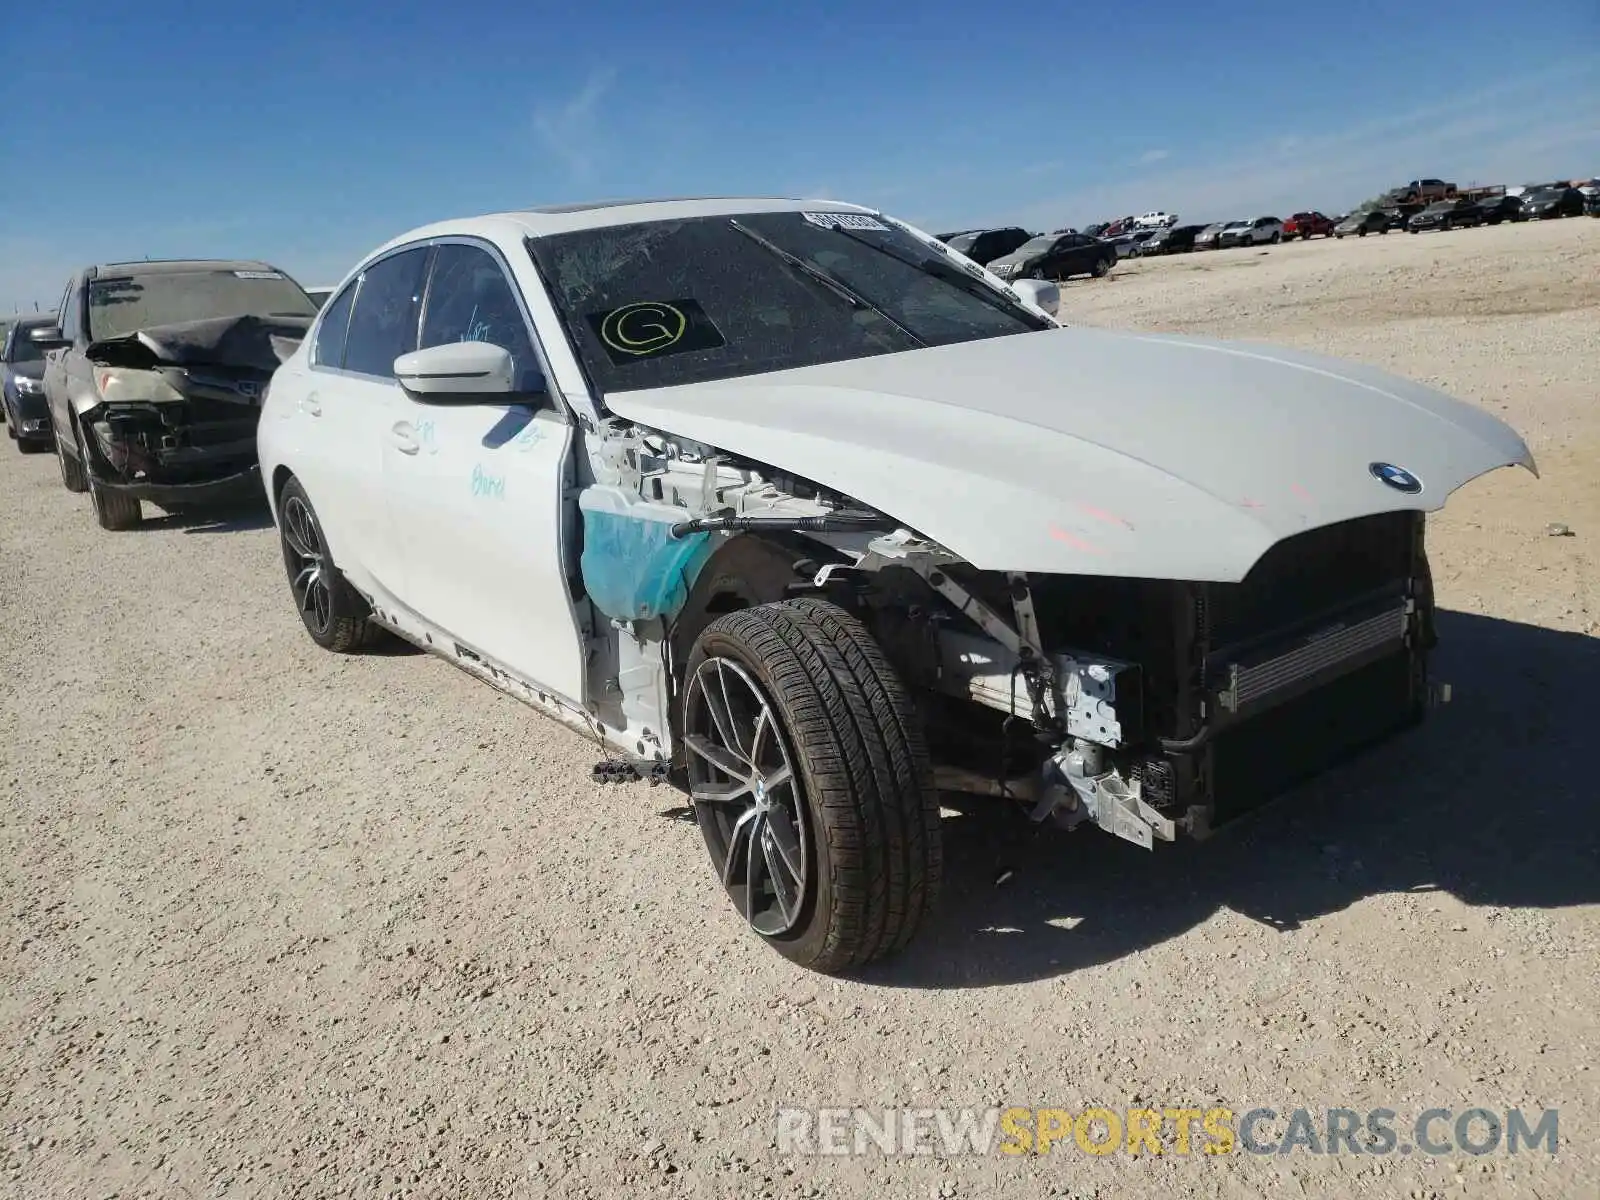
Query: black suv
pixel 983 246
pixel 22 385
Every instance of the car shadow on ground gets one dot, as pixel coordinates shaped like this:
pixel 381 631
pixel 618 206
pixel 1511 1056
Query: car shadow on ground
pixel 219 518
pixel 1492 801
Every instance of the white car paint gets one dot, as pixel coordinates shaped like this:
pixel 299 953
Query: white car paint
pixel 1057 451
pixel 1092 452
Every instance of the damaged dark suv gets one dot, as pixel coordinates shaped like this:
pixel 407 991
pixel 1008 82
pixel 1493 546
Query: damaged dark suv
pixel 155 376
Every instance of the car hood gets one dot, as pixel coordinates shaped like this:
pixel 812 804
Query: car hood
pixel 1014 259
pixel 1094 452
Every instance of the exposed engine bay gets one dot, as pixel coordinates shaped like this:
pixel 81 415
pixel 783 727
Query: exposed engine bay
pixel 176 406
pixel 1147 707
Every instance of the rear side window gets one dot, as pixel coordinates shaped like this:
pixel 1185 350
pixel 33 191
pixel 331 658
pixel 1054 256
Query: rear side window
pixel 329 348
pixel 384 324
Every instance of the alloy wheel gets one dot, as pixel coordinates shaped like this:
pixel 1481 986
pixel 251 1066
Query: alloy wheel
pixel 746 795
pixel 307 559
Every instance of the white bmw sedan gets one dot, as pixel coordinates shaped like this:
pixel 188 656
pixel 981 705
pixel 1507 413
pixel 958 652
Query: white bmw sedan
pixel 784 501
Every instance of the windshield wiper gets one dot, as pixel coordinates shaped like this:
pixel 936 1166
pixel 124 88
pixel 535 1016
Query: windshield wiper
pixel 948 271
pixel 811 271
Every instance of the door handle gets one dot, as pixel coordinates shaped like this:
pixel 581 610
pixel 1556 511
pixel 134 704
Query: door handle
pixel 311 404
pixel 404 436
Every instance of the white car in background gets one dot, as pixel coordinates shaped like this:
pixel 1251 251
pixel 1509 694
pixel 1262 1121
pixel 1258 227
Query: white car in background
pixel 779 501
pixel 1255 232
pixel 1156 220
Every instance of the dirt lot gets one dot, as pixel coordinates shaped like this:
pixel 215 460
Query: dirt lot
pixel 286 924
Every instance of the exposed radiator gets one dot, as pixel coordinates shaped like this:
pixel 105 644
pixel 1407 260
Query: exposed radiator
pixel 1322 656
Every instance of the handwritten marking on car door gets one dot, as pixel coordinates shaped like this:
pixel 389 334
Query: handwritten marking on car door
pixel 531 435
pixel 487 486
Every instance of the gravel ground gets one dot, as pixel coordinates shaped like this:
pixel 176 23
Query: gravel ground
pixel 287 924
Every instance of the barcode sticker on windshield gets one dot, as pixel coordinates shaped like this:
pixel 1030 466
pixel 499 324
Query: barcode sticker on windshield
pixel 258 274
pixel 846 220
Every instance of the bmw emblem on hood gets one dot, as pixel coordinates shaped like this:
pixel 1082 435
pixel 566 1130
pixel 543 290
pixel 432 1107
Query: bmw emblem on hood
pixel 1400 479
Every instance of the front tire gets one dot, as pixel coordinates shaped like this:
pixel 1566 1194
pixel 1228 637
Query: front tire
pixel 811 783
pixel 332 611
pixel 112 510
pixel 72 476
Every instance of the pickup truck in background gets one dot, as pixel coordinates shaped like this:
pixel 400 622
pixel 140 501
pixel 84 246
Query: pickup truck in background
pixel 1423 191
pixel 1306 224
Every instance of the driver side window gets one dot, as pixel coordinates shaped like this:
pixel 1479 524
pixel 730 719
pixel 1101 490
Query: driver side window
pixel 471 300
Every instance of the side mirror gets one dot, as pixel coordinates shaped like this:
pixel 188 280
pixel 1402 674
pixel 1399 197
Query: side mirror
pixel 49 337
pixel 1041 293
pixel 461 373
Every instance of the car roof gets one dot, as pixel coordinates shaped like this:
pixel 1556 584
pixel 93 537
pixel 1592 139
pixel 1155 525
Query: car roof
pixel 600 214
pixel 173 266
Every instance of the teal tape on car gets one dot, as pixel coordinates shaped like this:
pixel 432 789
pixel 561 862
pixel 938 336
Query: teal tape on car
pixel 633 568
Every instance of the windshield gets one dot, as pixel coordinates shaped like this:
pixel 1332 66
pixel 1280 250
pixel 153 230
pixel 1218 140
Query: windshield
pixel 1547 194
pixel 23 348
pixel 963 243
pixel 1237 225
pixel 1442 206
pixel 128 303
pixel 670 302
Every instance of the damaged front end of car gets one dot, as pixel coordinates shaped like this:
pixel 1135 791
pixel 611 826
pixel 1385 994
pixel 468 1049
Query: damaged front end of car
pixel 1157 707
pixel 1148 708
pixel 173 412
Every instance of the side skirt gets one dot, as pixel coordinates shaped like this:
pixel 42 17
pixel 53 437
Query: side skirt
pixel 621 743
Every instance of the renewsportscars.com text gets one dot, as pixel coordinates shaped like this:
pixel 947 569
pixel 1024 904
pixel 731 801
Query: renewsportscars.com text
pixel 1164 1131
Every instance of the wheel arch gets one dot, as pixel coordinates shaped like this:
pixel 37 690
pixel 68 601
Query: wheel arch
pixel 281 475
pixel 745 571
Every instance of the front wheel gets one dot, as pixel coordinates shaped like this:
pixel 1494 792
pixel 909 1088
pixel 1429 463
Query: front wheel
pixel 811 783
pixel 1101 268
pixel 112 510
pixel 72 476
pixel 332 611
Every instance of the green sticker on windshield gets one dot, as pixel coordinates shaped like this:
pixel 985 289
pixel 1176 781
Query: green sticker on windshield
pixel 652 328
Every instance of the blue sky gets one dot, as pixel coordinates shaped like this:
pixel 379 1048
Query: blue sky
pixel 308 134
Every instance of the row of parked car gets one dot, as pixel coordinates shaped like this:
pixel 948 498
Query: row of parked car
pixel 1013 252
